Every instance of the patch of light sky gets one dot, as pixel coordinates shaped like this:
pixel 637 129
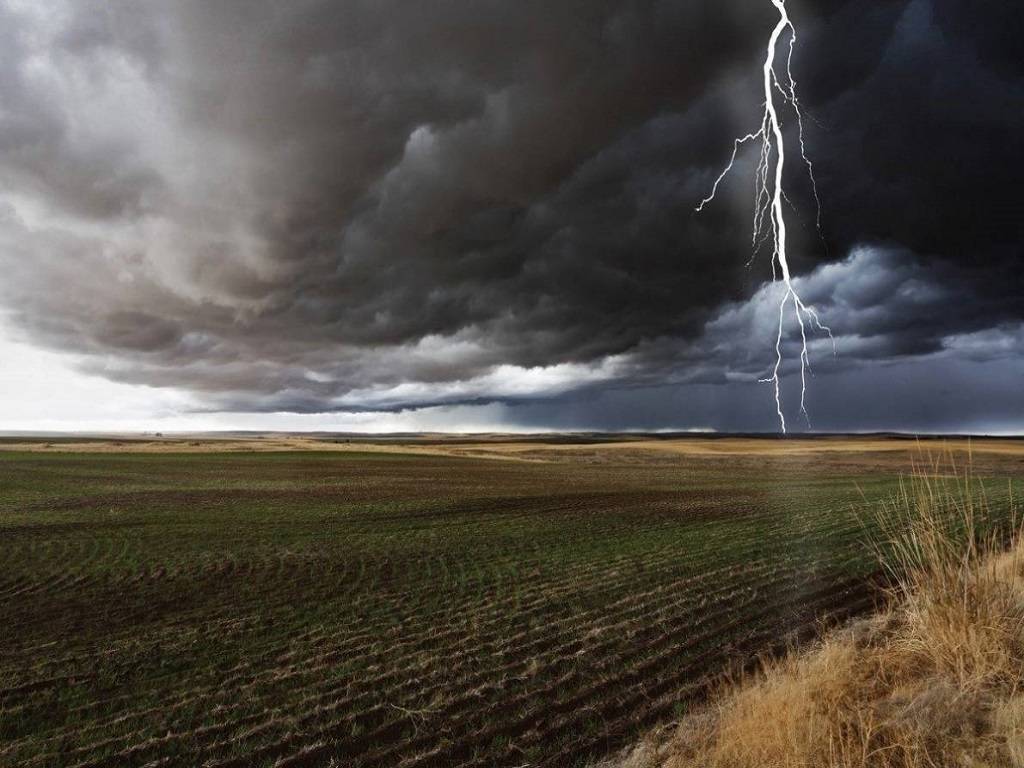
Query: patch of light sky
pixel 42 391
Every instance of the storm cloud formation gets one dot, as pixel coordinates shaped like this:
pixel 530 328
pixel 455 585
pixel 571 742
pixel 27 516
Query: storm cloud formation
pixel 378 205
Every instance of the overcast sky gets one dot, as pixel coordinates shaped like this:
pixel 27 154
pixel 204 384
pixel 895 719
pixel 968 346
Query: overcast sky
pixel 376 215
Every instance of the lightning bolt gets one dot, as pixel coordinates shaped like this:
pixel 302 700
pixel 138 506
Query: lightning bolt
pixel 769 219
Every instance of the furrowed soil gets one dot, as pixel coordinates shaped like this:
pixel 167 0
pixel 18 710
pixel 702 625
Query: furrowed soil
pixel 422 602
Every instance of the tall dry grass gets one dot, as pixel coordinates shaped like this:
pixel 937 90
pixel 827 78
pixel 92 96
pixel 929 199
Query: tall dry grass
pixel 935 681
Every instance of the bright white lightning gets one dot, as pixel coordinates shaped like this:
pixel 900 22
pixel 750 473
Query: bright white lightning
pixel 769 219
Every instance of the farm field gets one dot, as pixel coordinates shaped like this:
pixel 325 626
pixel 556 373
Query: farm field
pixel 287 602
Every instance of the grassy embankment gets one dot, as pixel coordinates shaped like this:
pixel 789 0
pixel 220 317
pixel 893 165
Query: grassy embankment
pixel 934 681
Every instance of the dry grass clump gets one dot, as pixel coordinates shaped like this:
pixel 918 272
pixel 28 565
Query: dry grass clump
pixel 936 681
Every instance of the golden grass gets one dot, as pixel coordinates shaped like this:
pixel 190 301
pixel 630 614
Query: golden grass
pixel 935 681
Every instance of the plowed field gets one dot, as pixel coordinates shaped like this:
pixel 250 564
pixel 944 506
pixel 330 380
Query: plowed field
pixel 404 609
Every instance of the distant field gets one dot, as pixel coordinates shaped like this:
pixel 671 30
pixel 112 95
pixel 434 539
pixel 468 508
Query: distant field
pixel 435 603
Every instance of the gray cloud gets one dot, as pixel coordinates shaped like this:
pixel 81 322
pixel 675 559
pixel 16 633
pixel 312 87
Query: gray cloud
pixel 368 205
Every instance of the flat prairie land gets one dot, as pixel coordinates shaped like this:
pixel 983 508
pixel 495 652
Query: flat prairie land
pixel 288 601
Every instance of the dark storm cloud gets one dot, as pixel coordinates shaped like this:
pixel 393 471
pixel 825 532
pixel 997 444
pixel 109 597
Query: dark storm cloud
pixel 377 205
pixel 935 394
pixel 927 150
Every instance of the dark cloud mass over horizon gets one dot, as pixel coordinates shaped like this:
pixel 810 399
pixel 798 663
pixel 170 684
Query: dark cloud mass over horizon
pixel 372 205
